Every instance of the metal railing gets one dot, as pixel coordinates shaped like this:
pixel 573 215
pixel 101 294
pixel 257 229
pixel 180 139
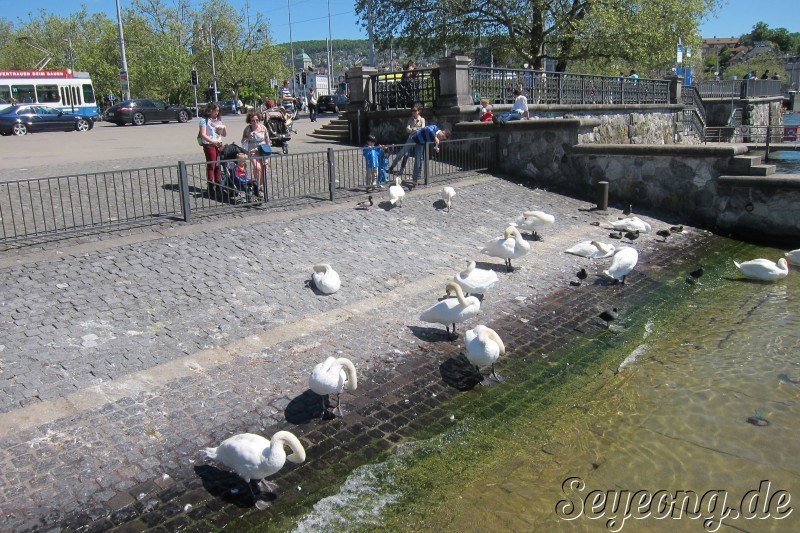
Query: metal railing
pixel 553 88
pixel 694 112
pixel 404 89
pixel 741 88
pixel 43 207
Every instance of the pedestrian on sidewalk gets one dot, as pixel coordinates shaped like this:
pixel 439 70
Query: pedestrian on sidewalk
pixel 212 130
pixel 312 104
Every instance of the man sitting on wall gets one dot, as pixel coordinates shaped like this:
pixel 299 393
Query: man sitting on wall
pixel 518 110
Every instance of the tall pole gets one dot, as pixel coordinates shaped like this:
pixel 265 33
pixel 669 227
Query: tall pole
pixel 330 52
pixel 291 46
pixel 123 73
pixel 213 66
pixel 370 32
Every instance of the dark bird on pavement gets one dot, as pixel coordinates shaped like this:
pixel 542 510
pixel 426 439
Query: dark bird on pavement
pixel 609 315
pixel 664 233
pixel 632 235
pixel 676 229
pixel 615 234
pixel 698 272
pixel 628 211
pixel 582 274
pixel 595 223
pixel 366 204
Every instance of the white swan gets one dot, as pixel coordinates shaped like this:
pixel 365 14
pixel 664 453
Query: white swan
pixel 396 192
pixel 253 457
pixel 793 257
pixel 447 196
pixel 592 249
pixel 631 224
pixel 333 375
pixel 484 347
pixel 475 280
pixel 510 246
pixel 764 269
pixel 325 278
pixel 533 221
pixel 623 262
pixel 452 310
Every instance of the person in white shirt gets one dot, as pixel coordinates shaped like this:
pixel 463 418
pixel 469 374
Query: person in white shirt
pixel 518 110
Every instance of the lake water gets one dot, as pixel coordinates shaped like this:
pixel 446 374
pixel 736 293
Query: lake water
pixel 702 401
pixel 788 161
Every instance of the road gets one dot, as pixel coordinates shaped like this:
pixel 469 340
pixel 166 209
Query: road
pixel 108 147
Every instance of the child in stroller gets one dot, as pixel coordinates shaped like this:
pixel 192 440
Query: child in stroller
pixel 279 125
pixel 242 182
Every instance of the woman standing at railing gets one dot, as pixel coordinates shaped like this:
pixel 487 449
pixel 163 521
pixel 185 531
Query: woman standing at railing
pixel 212 130
pixel 254 136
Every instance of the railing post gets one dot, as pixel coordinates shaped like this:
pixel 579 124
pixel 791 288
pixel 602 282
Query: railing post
pixel 331 173
pixel 183 183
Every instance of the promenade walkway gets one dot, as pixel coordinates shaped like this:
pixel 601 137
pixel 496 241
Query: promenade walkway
pixel 123 356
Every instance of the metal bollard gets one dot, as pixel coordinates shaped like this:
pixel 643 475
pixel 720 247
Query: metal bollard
pixel 602 190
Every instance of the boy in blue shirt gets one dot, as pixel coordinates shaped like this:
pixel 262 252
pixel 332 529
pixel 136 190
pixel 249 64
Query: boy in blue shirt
pixel 372 157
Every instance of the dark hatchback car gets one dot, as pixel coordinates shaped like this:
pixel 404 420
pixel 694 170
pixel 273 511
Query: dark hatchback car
pixel 143 110
pixel 331 103
pixel 20 119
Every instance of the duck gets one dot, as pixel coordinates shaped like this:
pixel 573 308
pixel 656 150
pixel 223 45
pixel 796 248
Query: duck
pixel 253 457
pixel 631 224
pixel 366 204
pixel 609 315
pixel 447 196
pixel 325 278
pixel 484 346
pixel 396 192
pixel 664 233
pixel 592 249
pixel 475 280
pixel 622 263
pixel 764 269
pixel 452 310
pixel 510 246
pixel 793 257
pixel 333 375
pixel 533 220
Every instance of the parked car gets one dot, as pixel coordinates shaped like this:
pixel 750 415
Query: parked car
pixel 228 107
pixel 331 103
pixel 19 119
pixel 142 110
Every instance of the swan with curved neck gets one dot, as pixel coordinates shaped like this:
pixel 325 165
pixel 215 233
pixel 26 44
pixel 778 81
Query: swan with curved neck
pixel 592 249
pixel 396 192
pixel 254 458
pixel 623 262
pixel 793 257
pixel 475 280
pixel 631 224
pixel 510 246
pixel 325 278
pixel 533 221
pixel 333 375
pixel 764 269
pixel 452 310
pixel 484 348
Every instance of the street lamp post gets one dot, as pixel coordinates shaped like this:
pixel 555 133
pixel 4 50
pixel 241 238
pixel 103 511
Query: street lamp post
pixel 213 66
pixel 291 47
pixel 123 73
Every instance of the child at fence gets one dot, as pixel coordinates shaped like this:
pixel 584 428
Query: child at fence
pixel 486 111
pixel 242 181
pixel 372 158
pixel 383 167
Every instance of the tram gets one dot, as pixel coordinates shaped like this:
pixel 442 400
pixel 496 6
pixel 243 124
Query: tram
pixel 66 90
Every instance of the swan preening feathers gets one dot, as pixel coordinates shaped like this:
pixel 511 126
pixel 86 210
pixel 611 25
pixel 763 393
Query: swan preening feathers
pixel 484 347
pixel 631 224
pixel 623 262
pixel 253 457
pixel 452 310
pixel 447 196
pixel 533 221
pixel 793 257
pixel 325 278
pixel 764 269
pixel 592 249
pixel 334 375
pixel 396 192
pixel 510 246
pixel 475 280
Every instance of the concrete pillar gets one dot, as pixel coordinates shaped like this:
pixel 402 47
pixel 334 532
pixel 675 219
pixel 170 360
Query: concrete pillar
pixel 360 87
pixel 674 89
pixel 454 83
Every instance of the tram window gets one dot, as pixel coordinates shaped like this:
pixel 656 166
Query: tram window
pixel 66 97
pixel 5 93
pixel 88 94
pixel 76 95
pixel 24 94
pixel 47 94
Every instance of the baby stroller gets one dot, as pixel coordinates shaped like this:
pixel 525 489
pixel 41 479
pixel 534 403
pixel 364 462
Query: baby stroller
pixel 279 124
pixel 234 191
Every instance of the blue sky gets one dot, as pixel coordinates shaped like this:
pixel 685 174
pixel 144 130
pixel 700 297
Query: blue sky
pixel 310 17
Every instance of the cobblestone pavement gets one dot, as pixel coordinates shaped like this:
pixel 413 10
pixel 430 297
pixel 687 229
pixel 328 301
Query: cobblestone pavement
pixel 122 357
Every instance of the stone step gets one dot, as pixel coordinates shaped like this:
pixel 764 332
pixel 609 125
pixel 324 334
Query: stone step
pixel 330 136
pixel 744 161
pixel 762 170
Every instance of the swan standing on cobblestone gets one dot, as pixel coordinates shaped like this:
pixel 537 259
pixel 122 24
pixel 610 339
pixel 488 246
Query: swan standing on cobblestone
pixel 452 310
pixel 592 249
pixel 631 224
pixel 396 192
pixel 447 196
pixel 622 264
pixel 510 246
pixel 533 221
pixel 484 347
pixel 253 457
pixel 475 280
pixel 325 278
pixel 333 375
pixel 793 257
pixel 764 269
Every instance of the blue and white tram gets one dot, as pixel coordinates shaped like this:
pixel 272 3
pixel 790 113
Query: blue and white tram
pixel 67 90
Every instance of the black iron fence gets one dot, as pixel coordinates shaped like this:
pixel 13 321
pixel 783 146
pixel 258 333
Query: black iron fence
pixel 405 89
pixel 741 88
pixel 42 207
pixel 497 85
